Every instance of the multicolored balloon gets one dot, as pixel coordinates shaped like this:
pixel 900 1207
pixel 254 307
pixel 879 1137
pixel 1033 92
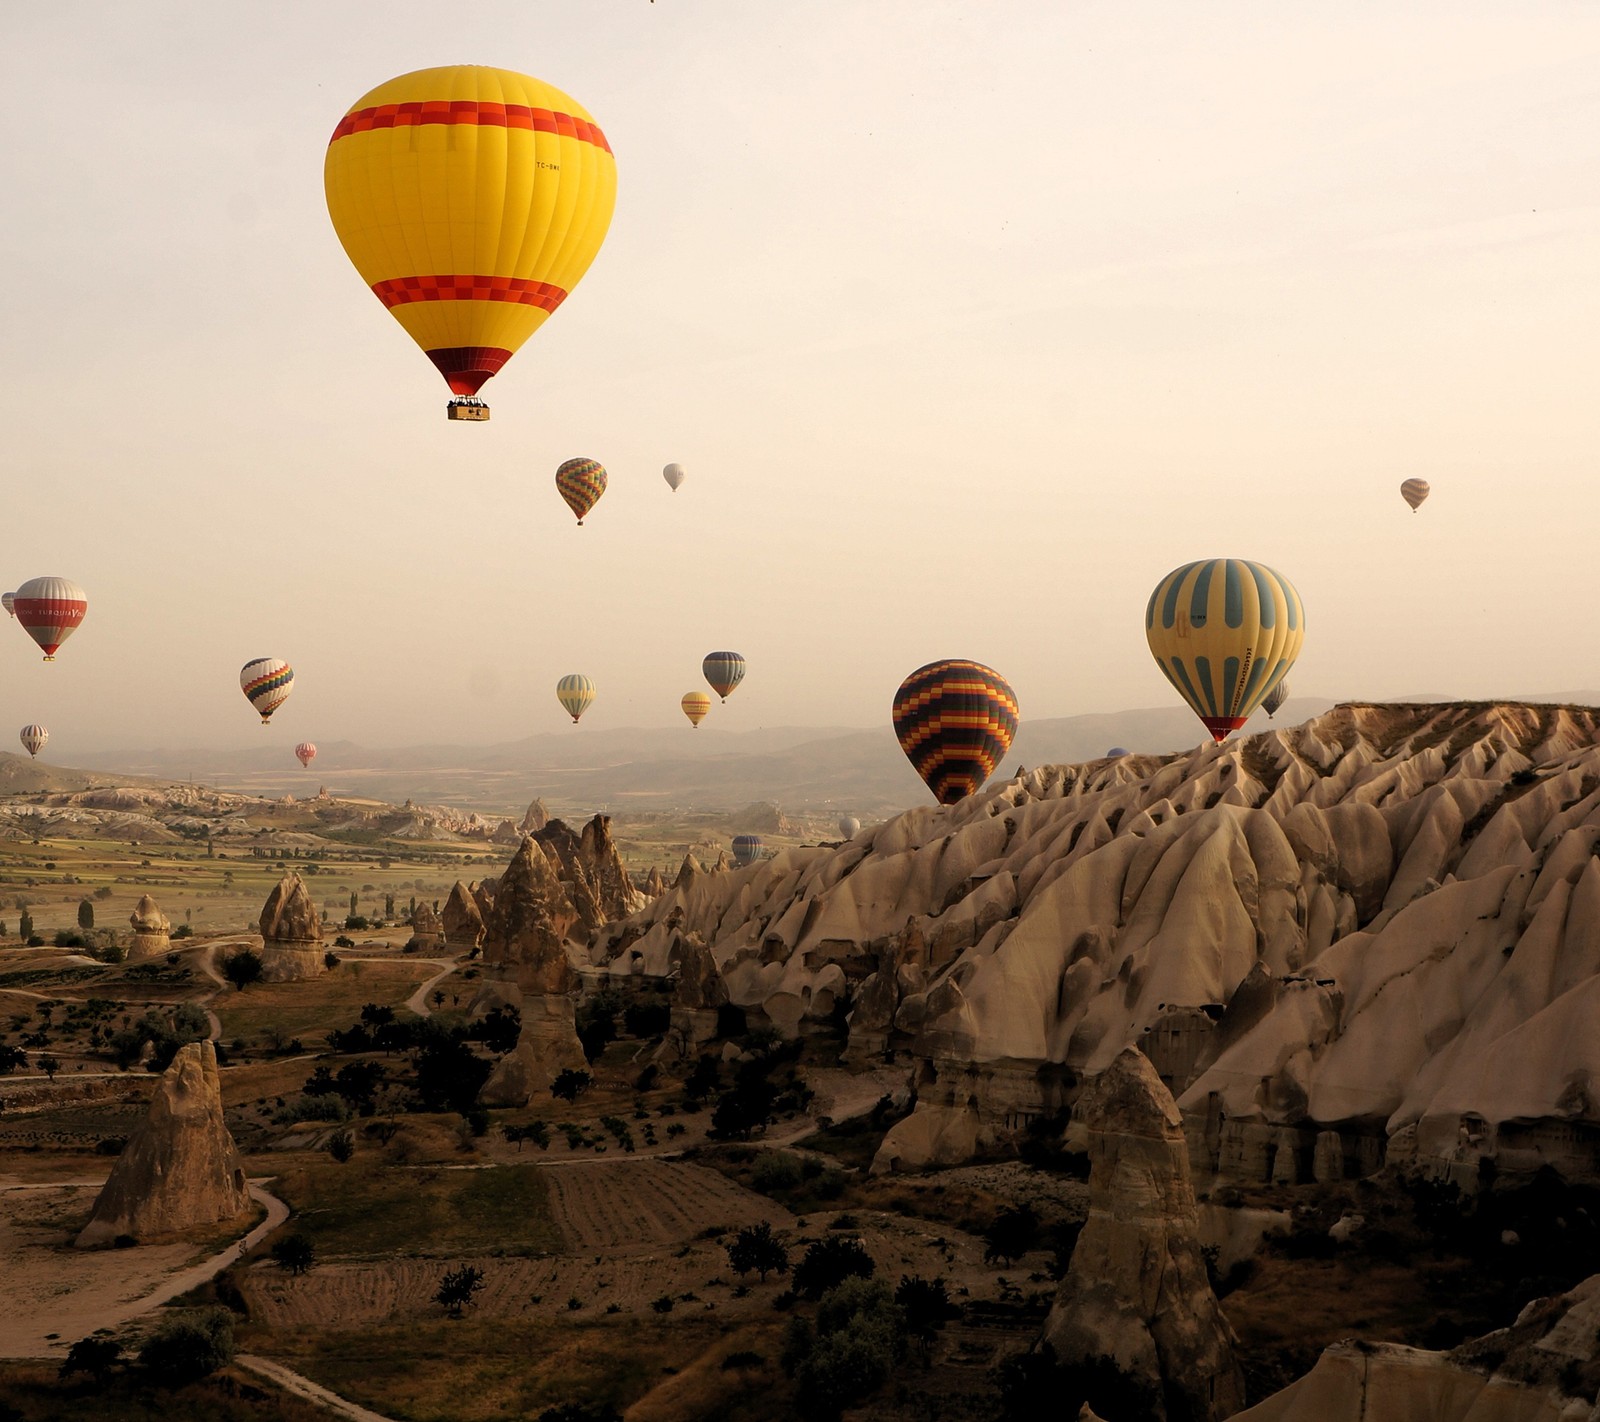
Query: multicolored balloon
pixel 50 610
pixel 674 474
pixel 471 200
pixel 1224 631
pixel 695 706
pixel 7 600
pixel 575 693
pixel 305 752
pixel 1275 698
pixel 746 849
pixel 955 720
pixel 267 682
pixel 581 482
pixel 1414 491
pixel 33 738
pixel 849 827
pixel 723 671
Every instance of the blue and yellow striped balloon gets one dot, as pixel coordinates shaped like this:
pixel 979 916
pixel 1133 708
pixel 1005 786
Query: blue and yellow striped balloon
pixel 746 849
pixel 723 671
pixel 1224 632
pixel 576 694
pixel 955 719
pixel 581 482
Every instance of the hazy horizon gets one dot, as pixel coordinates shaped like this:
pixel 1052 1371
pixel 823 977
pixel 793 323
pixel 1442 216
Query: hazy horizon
pixel 968 323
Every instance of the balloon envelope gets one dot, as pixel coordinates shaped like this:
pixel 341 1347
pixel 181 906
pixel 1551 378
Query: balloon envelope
pixel 955 719
pixel 1223 631
pixel 33 738
pixel 1276 697
pixel 723 671
pixel 8 601
pixel 471 200
pixel 581 482
pixel 849 827
pixel 1117 752
pixel 50 610
pixel 746 849
pixel 1414 491
pixel 674 474
pixel 575 693
pixel 267 682
pixel 695 706
pixel 305 752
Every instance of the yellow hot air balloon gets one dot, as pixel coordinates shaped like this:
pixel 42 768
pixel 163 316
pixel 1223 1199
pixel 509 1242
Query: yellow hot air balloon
pixel 471 200
pixel 696 705
pixel 1224 631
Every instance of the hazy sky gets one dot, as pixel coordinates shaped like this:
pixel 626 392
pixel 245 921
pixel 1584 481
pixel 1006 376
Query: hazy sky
pixel 969 322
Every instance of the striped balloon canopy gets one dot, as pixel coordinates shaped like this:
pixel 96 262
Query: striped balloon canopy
pixel 723 671
pixel 1414 491
pixel 746 849
pixel 33 738
pixel 575 693
pixel 1276 697
pixel 8 601
pixel 471 200
pixel 305 752
pixel 1224 632
pixel 581 482
pixel 50 610
pixel 955 720
pixel 267 682
pixel 696 706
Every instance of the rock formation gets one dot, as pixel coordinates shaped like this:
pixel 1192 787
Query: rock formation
pixel 462 920
pixel 654 884
pixel 291 933
pixel 1331 939
pixel 506 832
pixel 150 930
pixel 1136 1291
pixel 483 896
pixel 427 933
pixel 698 992
pixel 180 1168
pixel 536 818
pixel 687 871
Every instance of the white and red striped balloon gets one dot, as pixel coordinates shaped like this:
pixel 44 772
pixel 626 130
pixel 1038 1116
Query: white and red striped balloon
pixel 50 610
pixel 33 738
pixel 6 601
pixel 1414 491
pixel 305 752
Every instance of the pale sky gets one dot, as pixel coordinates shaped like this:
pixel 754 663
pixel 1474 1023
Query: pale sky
pixel 968 321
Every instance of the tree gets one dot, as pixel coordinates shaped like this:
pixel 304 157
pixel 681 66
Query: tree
pixel 860 1337
pixel 457 1288
pixel 1013 1232
pixel 388 905
pixel 926 1306
pixel 829 1262
pixel 341 1146
pixel 49 1065
pixel 95 1356
pixel 438 997
pixel 86 915
pixel 449 1073
pixel 11 1058
pixel 242 968
pixel 377 1015
pixel 189 1347
pixel 754 1247
pixel 570 1084
pixel 596 1023
pixel 25 926
pixel 295 1253
pixel 354 906
pixel 745 1109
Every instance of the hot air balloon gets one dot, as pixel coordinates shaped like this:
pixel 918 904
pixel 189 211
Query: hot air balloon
pixel 50 610
pixel 267 681
pixel 849 827
pixel 746 849
pixel 1275 698
pixel 1414 491
pixel 33 739
pixel 1223 631
pixel 1117 752
pixel 723 671
pixel 305 752
pixel 695 706
pixel 471 200
pixel 581 482
pixel 575 693
pixel 674 474
pixel 6 601
pixel 955 719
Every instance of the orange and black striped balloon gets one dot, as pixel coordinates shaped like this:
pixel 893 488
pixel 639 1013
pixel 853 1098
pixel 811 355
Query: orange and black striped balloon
pixel 955 719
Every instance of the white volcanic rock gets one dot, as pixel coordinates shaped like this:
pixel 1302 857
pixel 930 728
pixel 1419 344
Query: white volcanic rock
pixel 180 1167
pixel 150 931
pixel 291 933
pixel 1407 898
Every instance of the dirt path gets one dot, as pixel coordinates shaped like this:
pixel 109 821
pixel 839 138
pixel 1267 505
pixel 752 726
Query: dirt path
pixel 56 1295
pixel 308 1391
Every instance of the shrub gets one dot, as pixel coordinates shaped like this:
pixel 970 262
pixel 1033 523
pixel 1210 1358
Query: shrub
pixel 341 1146
pixel 458 1288
pixel 663 1304
pixel 330 961
pixel 1013 1232
pixel 95 1356
pixel 755 1247
pixel 775 1170
pixel 646 1019
pixel 242 968
pixel 828 1263
pixel 189 1347
pixel 295 1253
pixel 570 1084
pixel 66 938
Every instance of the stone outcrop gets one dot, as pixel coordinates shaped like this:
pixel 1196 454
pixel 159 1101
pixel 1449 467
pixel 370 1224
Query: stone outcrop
pixel 1136 1291
pixel 547 1044
pixel 1367 938
pixel 150 931
pixel 536 818
pixel 525 932
pixel 180 1168
pixel 427 932
pixel 462 920
pixel 654 884
pixel 697 992
pixel 688 870
pixel 291 933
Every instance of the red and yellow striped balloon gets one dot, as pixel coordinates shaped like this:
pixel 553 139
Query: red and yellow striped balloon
pixel 955 719
pixel 471 200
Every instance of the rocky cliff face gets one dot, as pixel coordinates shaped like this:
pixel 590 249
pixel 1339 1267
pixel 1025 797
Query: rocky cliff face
pixel 1373 935
pixel 291 933
pixel 462 920
pixel 180 1168
pixel 1136 1291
